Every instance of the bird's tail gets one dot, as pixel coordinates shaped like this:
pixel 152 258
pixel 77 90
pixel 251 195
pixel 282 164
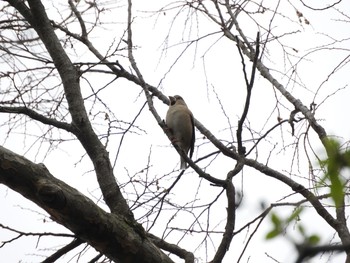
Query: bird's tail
pixel 183 164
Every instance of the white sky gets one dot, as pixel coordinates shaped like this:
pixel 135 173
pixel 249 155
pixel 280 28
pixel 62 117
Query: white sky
pixel 189 78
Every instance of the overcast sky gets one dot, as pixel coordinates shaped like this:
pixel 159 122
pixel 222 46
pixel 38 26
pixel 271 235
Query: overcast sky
pixel 208 69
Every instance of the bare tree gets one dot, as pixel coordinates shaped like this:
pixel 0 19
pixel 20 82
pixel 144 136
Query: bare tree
pixel 67 74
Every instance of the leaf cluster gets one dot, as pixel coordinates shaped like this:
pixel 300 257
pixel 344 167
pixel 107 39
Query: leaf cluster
pixel 338 160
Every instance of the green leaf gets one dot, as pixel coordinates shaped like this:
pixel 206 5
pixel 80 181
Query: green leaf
pixel 337 192
pixel 314 240
pixel 276 220
pixel 273 233
pixel 333 147
pixel 294 215
pixel 301 230
pixel 335 163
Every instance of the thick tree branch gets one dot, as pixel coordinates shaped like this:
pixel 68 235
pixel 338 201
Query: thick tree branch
pixel 22 8
pixel 111 234
pixel 174 249
pixel 343 229
pixel 230 223
pixel 310 251
pixel 70 78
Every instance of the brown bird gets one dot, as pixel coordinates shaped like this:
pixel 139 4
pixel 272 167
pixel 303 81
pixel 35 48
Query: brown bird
pixel 179 120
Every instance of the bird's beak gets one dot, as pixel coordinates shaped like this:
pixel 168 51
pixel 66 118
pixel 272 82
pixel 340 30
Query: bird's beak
pixel 172 100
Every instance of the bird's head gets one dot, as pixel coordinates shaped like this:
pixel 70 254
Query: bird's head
pixel 176 100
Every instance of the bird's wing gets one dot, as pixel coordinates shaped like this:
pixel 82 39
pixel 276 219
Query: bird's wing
pixel 193 137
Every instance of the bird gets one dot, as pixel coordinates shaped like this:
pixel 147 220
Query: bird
pixel 180 122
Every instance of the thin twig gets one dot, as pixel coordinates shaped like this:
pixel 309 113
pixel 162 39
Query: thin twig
pixel 249 85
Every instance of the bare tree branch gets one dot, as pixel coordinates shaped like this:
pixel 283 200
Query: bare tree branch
pixel 70 80
pixel 249 85
pixel 174 249
pixel 309 251
pixel 36 116
pixel 64 250
pixel 126 241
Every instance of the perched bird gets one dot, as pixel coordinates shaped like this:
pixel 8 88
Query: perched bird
pixel 179 120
